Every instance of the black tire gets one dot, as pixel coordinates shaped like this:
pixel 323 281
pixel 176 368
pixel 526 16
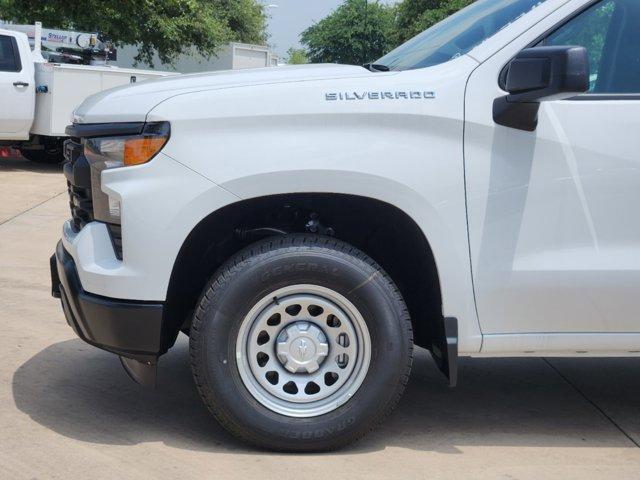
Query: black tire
pixel 264 268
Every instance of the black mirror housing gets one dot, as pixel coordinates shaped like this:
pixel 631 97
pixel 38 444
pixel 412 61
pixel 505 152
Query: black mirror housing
pixel 539 74
pixel 548 73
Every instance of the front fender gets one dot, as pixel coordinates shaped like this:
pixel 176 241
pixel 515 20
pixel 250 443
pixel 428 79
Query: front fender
pixel 436 223
pixel 286 138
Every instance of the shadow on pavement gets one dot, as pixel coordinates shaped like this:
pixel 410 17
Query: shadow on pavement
pixel 20 164
pixel 83 393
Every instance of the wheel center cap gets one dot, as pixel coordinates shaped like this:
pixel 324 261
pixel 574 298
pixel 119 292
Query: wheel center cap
pixel 301 347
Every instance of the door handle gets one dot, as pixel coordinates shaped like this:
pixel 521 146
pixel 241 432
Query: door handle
pixel 20 84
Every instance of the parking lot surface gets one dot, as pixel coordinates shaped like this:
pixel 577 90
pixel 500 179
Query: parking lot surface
pixel 68 410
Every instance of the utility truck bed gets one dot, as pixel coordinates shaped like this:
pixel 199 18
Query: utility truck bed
pixel 39 96
pixel 61 87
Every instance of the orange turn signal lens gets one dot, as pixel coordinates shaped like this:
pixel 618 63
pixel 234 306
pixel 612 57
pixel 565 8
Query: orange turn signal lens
pixel 140 150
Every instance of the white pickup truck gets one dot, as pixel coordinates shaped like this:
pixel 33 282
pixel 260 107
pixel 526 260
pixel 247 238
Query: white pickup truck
pixel 473 192
pixel 38 97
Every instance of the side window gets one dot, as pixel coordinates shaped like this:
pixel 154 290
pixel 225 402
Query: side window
pixel 9 59
pixel 610 31
pixel 589 30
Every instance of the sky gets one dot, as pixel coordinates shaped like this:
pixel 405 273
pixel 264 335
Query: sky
pixel 291 17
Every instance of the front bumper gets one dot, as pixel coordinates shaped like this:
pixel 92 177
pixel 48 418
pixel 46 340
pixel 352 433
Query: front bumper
pixel 128 328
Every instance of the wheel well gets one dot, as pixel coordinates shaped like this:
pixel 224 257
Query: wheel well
pixel 382 231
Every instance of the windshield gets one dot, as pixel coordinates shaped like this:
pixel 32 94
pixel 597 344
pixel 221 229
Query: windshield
pixel 457 34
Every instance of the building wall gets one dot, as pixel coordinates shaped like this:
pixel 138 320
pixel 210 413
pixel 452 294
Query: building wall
pixel 230 57
pixel 249 57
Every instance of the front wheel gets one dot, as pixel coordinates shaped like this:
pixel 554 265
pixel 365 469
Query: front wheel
pixel 301 343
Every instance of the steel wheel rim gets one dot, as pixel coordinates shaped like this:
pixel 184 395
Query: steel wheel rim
pixel 323 348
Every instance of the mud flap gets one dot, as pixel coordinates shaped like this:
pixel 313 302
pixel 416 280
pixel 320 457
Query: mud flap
pixel 143 373
pixel 445 350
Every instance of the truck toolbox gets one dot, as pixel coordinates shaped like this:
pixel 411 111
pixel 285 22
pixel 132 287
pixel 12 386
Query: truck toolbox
pixel 66 87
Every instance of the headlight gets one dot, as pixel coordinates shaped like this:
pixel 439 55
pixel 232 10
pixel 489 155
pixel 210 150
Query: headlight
pixel 113 152
pixel 104 153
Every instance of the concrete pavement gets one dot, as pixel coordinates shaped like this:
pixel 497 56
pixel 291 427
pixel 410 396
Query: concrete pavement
pixel 69 411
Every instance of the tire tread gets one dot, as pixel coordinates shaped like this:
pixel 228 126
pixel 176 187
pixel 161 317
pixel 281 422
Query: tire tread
pixel 275 246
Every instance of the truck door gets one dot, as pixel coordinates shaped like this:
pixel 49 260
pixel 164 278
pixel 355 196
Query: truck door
pixel 17 97
pixel 554 214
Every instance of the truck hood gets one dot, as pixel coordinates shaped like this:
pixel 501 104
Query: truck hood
pixel 131 103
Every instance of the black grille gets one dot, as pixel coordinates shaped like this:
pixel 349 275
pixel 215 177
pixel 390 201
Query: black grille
pixel 78 175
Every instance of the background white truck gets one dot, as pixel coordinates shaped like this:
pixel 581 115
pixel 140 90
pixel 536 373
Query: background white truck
pixel 38 96
pixel 474 192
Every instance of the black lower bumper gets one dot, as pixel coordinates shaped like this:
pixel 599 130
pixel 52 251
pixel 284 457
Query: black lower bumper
pixel 128 328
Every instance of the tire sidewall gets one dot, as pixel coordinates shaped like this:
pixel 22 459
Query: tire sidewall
pixel 363 284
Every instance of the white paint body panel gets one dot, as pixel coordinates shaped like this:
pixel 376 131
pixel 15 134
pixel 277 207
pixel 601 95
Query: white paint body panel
pixel 554 236
pixel 241 135
pixel 406 153
pixel 157 216
pixel 132 103
pixel 17 103
pixel 562 345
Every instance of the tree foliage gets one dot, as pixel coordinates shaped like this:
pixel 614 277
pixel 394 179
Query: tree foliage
pixel 168 27
pixel 360 31
pixel 357 32
pixel 415 16
pixel 297 56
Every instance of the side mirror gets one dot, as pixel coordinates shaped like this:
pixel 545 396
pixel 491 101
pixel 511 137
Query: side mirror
pixel 539 74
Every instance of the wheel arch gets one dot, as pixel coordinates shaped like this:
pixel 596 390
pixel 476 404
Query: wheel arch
pixel 383 231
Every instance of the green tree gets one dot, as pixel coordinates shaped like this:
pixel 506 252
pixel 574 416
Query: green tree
pixel 415 16
pixel 357 32
pixel 168 27
pixel 296 56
